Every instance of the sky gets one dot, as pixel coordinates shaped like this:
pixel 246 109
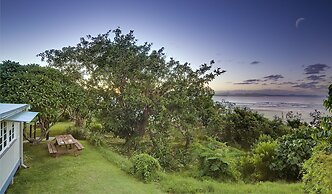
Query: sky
pixel 275 46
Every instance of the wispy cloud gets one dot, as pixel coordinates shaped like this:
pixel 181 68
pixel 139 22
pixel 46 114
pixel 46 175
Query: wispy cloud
pixel 273 77
pixel 316 77
pixel 249 81
pixel 287 83
pixel 309 85
pixel 316 68
pixel 255 62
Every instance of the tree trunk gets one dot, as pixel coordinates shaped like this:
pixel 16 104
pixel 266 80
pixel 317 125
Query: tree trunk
pixel 142 124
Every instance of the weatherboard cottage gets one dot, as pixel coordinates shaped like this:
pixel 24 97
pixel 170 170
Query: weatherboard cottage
pixel 12 118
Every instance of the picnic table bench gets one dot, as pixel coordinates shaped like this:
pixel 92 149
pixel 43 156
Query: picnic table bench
pixel 64 144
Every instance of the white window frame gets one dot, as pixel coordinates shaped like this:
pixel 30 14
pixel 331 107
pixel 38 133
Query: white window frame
pixel 11 132
pixel 3 136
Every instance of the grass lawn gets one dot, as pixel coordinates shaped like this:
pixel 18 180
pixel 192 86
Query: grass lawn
pixel 89 172
pixel 57 129
pixel 100 170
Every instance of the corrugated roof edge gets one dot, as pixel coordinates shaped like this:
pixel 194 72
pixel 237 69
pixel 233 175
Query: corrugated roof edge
pixel 13 111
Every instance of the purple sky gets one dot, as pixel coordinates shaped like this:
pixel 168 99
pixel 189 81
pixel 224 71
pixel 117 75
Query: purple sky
pixel 263 45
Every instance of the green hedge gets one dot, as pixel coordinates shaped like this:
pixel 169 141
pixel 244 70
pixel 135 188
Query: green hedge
pixel 317 176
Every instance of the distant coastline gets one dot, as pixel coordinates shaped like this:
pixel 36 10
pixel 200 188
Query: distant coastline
pixel 261 95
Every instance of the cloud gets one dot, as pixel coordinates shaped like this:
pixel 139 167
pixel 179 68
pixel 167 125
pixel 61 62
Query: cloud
pixel 316 77
pixel 273 77
pixel 249 81
pixel 287 83
pixel 298 21
pixel 255 62
pixel 310 85
pixel 316 68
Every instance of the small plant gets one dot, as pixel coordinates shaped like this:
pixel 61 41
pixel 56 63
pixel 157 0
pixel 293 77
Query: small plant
pixel 145 167
pixel 96 139
pixel 294 119
pixel 77 132
pixel 96 128
pixel 216 161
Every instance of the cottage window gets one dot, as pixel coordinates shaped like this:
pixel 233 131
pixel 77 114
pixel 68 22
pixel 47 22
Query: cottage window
pixel 3 136
pixel 11 132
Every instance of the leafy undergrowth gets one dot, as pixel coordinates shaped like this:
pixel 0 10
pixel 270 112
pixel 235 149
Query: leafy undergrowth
pixel 101 170
pixel 182 183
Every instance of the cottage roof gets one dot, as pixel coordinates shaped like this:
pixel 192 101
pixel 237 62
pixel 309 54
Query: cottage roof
pixel 8 110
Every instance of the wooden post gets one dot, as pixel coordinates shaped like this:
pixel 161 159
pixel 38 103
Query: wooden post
pixel 34 131
pixel 30 131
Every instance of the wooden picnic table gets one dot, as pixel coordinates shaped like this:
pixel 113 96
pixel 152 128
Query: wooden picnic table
pixel 68 141
pixel 65 140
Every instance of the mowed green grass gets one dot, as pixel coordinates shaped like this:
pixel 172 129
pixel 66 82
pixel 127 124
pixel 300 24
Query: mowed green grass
pixel 179 184
pixel 89 172
pixel 57 129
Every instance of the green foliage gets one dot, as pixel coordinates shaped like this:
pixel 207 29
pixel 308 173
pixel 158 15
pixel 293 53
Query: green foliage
pixel 242 127
pixel 135 90
pixel 100 169
pixel 256 165
pixel 47 90
pixel 328 101
pixel 292 151
pixel 216 160
pixel 77 132
pixel 317 171
pixel 96 139
pixel 294 119
pixel 96 128
pixel 145 167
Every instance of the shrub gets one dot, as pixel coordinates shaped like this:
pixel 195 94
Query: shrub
pixel 96 139
pixel 96 128
pixel 77 132
pixel 317 176
pixel 294 119
pixel 256 165
pixel 242 127
pixel 292 151
pixel 145 167
pixel 216 161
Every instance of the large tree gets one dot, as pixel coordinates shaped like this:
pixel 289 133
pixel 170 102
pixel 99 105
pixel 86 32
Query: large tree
pixel 136 91
pixel 46 89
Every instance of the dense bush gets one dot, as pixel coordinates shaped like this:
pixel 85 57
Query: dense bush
pixel 77 132
pixel 96 128
pixel 242 127
pixel 292 151
pixel 96 139
pixel 217 161
pixel 256 165
pixel 145 167
pixel 317 171
pixel 294 119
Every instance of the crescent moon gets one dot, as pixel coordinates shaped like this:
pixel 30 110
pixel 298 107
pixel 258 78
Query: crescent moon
pixel 298 21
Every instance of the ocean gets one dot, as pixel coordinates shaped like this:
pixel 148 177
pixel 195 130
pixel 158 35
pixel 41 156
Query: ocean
pixel 270 106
